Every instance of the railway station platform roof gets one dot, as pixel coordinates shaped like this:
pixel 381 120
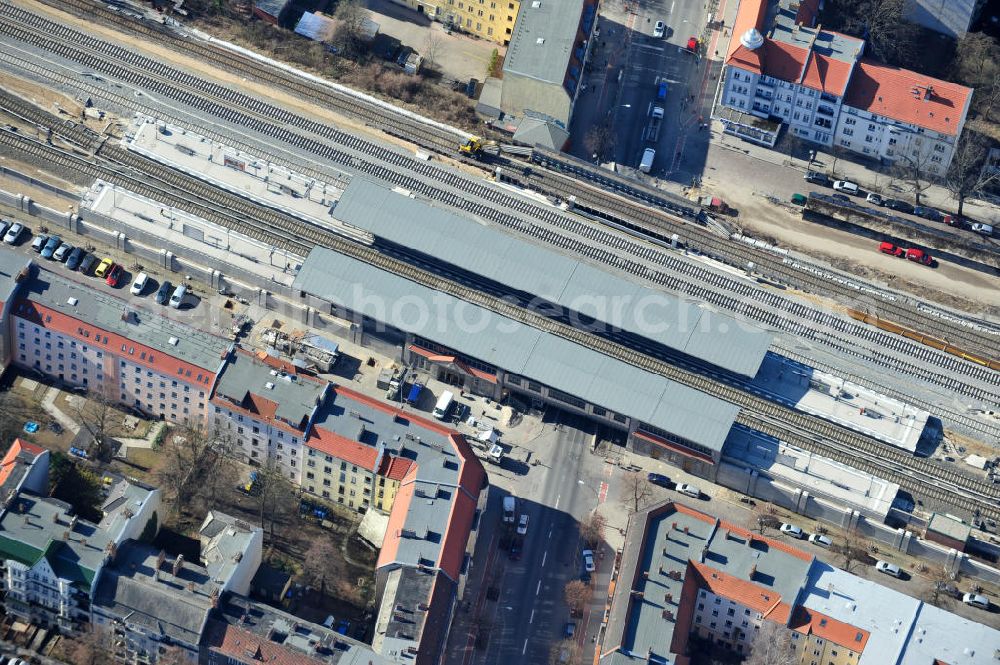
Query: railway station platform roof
pixel 544 357
pixel 560 279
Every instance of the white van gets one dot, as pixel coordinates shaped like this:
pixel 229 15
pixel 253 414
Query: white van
pixel 646 164
pixel 177 299
pixel 443 405
pixel 847 187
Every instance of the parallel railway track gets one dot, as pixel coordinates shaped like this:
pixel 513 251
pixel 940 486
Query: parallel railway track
pixel 633 213
pixel 797 428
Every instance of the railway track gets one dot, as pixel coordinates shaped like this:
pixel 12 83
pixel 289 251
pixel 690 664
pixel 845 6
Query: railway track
pixel 260 113
pixel 784 423
pixel 953 329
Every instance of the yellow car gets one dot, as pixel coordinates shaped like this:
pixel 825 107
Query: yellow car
pixel 103 268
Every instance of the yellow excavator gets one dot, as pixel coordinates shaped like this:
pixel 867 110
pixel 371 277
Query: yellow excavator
pixel 477 147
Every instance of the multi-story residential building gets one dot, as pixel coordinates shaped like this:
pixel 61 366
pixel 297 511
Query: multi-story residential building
pixel 52 560
pixel 267 408
pixel 147 606
pixel 14 272
pixel 949 17
pixel 84 337
pixel 489 19
pixel 689 581
pixel 781 70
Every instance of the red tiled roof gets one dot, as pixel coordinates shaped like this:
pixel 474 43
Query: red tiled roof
pixel 352 452
pixel 827 74
pixel 244 646
pixel 438 358
pixel 808 622
pixel 16 448
pixel 456 536
pixel 758 598
pixel 51 319
pixel 903 95
pixel 749 15
pixel 274 363
pixel 394 468
pixel 397 518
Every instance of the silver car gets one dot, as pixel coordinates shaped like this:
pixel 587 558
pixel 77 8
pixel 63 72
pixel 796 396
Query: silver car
pixel 62 252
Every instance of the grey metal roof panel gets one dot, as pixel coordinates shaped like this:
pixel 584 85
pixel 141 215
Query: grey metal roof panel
pixel 520 264
pixel 11 265
pixel 549 359
pixel 543 39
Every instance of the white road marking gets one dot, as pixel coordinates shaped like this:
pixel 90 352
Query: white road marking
pixel 672 6
pixel 544 557
pixel 524 649
pixel 550 533
pixel 558 498
pixel 531 619
pixel 538 588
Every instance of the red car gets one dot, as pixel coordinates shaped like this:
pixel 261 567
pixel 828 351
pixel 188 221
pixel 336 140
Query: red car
pixel 889 248
pixel 920 256
pixel 114 275
pixel 692 44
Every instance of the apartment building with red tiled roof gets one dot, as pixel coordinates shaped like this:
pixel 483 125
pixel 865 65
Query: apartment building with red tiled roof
pixel 781 70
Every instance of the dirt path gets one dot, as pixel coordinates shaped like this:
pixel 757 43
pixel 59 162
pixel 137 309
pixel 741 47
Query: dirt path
pixel 950 284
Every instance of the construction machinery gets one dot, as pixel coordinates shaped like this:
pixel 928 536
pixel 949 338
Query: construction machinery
pixel 477 147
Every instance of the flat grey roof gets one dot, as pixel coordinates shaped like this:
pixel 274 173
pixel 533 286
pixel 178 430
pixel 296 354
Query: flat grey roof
pixel 11 264
pixel 296 396
pixel 572 284
pixel 97 309
pixel 503 342
pixel 543 38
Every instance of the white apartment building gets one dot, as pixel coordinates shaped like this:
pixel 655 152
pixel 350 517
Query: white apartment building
pixel 83 337
pixel 818 84
pixel 267 409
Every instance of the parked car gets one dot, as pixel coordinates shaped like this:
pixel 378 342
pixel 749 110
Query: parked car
pixel 818 178
pixel 889 248
pixel 820 539
pixel 692 44
pixel 163 293
pixel 114 276
pixel 792 530
pixel 522 525
pixel 689 490
pixel 947 589
pixel 661 91
pixel 103 268
pixel 888 568
pixel 874 199
pixel 87 263
pixel 976 600
pixel 898 206
pixel 74 258
pixel 139 284
pixel 516 547
pixel 920 256
pixel 847 187
pixel 39 242
pixel 588 560
pixel 51 245
pixel 927 213
pixel 62 251
pixel 569 630
pixel 658 479
pixel 13 233
pixel 985 229
pixel 658 29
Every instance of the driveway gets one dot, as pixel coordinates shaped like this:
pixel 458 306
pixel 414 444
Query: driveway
pixel 459 57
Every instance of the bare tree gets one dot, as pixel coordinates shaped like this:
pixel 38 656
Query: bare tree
pixel 772 646
pixel 577 594
pixel 976 58
pixel 12 417
pixel 276 496
pixel 198 468
pixel 432 48
pixel 322 564
pixel 853 551
pixel 966 176
pixel 565 651
pixel 913 170
pixel 600 140
pixel 87 648
pixel 349 34
pixel 592 528
pixel 942 585
pixel 836 153
pixel 97 412
pixel 635 490
pixel 989 97
pixel 764 517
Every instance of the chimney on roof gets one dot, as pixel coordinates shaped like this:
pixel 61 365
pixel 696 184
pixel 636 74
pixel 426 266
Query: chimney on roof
pixel 238 557
pixel 72 523
pixel 160 558
pixel 685 530
pixel 65 535
pixel 668 615
pixel 704 553
pixel 178 565
pixel 215 597
pixel 673 527
pixel 190 587
pixel 753 571
pixel 110 551
pixel 55 518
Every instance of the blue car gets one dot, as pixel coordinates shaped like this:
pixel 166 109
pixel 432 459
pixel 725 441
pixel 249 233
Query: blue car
pixel 658 479
pixel 51 246
pixel 75 257
pixel 661 91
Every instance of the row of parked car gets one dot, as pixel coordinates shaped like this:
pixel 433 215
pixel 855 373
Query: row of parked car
pixel 911 254
pixel 843 187
pixel 54 248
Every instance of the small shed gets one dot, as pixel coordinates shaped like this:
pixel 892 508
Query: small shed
pixel 316 26
pixel 948 530
pixel 272 11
